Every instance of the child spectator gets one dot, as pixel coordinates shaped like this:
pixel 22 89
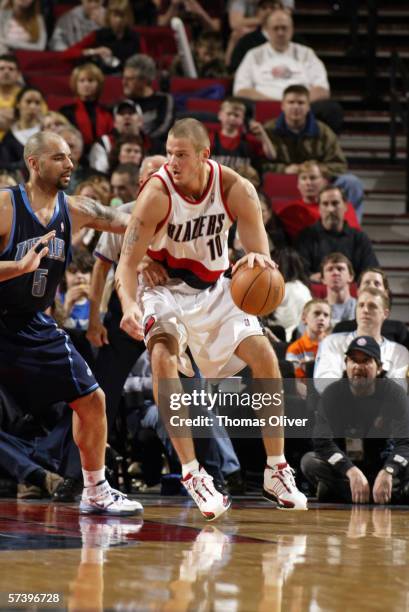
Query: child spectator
pixel 337 274
pixel 75 294
pixel 208 56
pixel 232 145
pixel 316 316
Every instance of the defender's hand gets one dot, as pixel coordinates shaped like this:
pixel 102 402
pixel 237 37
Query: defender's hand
pixel 252 259
pixel 131 322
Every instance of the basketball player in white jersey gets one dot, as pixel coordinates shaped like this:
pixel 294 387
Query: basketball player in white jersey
pixel 181 219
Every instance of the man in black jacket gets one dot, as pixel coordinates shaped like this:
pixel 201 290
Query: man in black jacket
pixel 332 234
pixel 371 414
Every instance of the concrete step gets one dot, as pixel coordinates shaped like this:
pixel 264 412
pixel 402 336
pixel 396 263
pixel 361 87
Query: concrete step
pixel 387 227
pixel 400 308
pixel 392 254
pixel 384 182
pixel 398 281
pixel 360 141
pixel 380 204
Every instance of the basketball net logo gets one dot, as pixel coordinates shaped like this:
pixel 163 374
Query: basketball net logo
pixel 148 325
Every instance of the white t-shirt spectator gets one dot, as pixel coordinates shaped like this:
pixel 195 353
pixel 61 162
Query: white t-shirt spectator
pixel 330 360
pixel 270 72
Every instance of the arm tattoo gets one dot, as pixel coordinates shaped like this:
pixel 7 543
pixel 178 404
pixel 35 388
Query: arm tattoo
pixel 252 193
pixel 94 209
pixel 132 236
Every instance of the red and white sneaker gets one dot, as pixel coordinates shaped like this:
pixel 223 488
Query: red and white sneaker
pixel 280 487
pixel 210 502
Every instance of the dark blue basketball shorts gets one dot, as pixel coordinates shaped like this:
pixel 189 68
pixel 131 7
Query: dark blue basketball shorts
pixel 39 364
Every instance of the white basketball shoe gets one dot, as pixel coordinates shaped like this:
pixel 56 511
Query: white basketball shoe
pixel 210 502
pixel 101 499
pixel 280 487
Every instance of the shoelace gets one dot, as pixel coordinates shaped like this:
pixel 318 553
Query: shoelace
pixel 199 485
pixel 284 478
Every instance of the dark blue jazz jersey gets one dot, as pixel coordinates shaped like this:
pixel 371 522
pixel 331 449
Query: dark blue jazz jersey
pixel 39 364
pixel 36 290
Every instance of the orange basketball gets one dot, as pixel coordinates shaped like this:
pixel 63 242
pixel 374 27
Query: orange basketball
pixel 257 291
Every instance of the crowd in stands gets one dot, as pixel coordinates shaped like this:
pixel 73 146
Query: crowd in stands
pixel 107 76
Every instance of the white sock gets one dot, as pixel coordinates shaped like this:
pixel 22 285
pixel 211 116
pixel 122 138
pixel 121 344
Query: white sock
pixel 272 460
pixel 91 478
pixel 188 468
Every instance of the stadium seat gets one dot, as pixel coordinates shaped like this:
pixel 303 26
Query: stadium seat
pixel 55 101
pixel 51 62
pixel 50 83
pixel 186 85
pixel 157 41
pixel 201 104
pixel 266 110
pixel 280 187
pixel 112 91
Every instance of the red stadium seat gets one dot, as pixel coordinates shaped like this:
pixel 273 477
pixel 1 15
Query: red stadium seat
pixel 50 83
pixel 280 187
pixel 157 41
pixel 112 91
pixel 51 62
pixel 266 110
pixel 55 102
pixel 60 8
pixel 201 104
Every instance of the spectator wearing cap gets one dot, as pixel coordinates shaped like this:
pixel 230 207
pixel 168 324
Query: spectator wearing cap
pixel 332 234
pixel 371 311
pixel 370 414
pixel 86 113
pixel 157 107
pixel 128 121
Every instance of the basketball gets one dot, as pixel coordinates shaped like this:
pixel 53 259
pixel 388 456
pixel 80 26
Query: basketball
pixel 257 291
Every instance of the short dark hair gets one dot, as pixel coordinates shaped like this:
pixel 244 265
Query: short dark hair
pixel 9 57
pixel 300 90
pixel 130 169
pixel 337 258
pixel 376 271
pixel 331 187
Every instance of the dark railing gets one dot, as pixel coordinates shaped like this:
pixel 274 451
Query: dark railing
pixel 399 109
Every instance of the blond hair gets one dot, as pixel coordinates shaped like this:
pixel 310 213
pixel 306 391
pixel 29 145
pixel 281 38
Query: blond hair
pixel 193 130
pixel 91 70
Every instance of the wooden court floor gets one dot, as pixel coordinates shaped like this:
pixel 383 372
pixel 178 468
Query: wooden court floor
pixel 256 558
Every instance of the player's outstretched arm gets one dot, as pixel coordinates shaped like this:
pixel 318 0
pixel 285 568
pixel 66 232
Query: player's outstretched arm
pixel 86 212
pixel 150 209
pixel 244 204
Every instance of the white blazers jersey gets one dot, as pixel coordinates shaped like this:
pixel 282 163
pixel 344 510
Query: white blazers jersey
pixel 191 242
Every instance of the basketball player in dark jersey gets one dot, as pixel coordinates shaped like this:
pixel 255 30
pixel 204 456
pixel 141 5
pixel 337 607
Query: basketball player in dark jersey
pixel 38 362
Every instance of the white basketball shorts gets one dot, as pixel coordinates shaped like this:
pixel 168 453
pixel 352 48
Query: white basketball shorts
pixel 207 321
